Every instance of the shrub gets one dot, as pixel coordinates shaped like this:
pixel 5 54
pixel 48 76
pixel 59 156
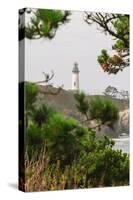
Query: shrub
pixel 65 138
pixel 73 157
pixel 100 166
pixel 34 139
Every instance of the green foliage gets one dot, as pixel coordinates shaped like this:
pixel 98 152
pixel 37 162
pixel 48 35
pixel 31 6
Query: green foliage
pixel 117 26
pixel 82 104
pixel 44 23
pixel 31 91
pixel 121 25
pixel 34 135
pixel 105 167
pixel 42 114
pixel 65 138
pixel 99 166
pixel 103 57
pixel 34 140
pixel 103 110
pixel 36 117
pixel 60 153
pixel 111 64
pixel 119 44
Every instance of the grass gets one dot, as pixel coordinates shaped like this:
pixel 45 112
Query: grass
pixel 41 175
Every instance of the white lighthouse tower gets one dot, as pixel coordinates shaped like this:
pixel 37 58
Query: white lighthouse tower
pixel 75 77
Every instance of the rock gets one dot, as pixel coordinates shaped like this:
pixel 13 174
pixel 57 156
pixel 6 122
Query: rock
pixel 122 126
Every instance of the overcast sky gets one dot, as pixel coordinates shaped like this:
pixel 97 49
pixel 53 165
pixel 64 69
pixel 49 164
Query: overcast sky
pixel 78 42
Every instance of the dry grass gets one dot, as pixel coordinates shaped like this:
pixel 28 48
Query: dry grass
pixel 40 175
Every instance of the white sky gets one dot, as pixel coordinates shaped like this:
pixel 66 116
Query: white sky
pixel 74 41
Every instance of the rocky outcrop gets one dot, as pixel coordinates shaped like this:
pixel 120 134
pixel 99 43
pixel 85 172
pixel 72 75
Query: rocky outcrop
pixel 124 121
pixel 122 126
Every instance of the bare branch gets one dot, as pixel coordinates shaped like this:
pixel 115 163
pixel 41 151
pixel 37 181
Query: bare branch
pixel 105 21
pixel 47 77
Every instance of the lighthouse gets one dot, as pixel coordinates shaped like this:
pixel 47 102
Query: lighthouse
pixel 75 77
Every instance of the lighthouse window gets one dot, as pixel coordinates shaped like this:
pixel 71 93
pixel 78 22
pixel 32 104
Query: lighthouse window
pixel 74 83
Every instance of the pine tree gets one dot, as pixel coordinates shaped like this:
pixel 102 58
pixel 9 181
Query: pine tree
pixel 117 26
pixel 103 111
pixel 43 23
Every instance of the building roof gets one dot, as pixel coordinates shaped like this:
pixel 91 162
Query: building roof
pixel 75 68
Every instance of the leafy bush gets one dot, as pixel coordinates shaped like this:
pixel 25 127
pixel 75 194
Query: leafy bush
pixel 73 157
pixel 34 140
pixel 99 166
pixel 104 166
pixel 34 135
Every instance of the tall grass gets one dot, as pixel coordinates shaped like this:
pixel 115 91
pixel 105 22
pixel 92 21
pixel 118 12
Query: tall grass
pixel 42 175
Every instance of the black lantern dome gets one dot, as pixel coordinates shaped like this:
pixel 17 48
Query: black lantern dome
pixel 75 68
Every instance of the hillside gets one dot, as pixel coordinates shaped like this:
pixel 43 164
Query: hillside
pixel 64 100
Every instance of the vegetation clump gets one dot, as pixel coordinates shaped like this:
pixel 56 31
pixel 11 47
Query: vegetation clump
pixel 62 153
